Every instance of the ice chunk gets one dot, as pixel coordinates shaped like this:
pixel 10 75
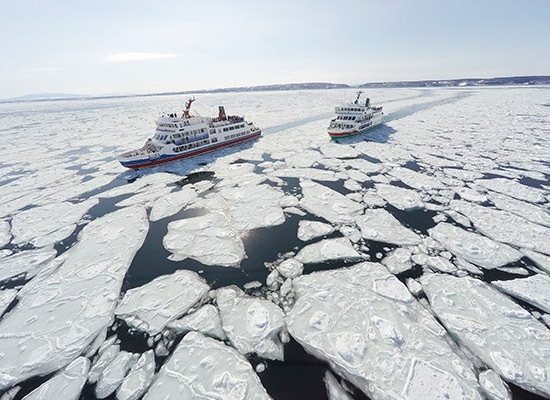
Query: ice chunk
pixel 496 329
pixel 308 230
pixel 398 260
pixel 306 173
pixel 26 262
pixel 534 290
pixel 204 368
pixel 113 375
pixel 493 386
pixel 365 323
pixel 513 189
pixel 381 226
pixel 529 211
pixel 251 324
pixel 83 291
pixel 335 391
pixel 53 217
pixel 329 204
pixel 436 263
pixel 473 247
pixel 102 361
pixel 506 227
pixel 328 250
pixel 171 203
pixel 138 379
pixel 66 384
pixel 417 180
pixel 6 297
pixel 401 198
pixel 5 234
pixel 290 268
pixel 542 261
pixel 208 239
pixel 471 195
pixel 206 320
pixel 150 307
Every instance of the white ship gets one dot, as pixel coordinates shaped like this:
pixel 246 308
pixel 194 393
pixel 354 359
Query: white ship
pixel 189 135
pixel 354 118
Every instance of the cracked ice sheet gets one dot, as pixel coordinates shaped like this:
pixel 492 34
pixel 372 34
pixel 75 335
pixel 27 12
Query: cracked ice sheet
pixel 252 325
pixel 505 227
pixel 149 308
pixel 327 203
pixel 204 368
pixel 513 189
pixel 328 250
pixel 379 225
pixel 473 247
pixel 208 239
pixel 400 198
pixel 497 330
pixel 26 262
pixel 83 292
pixel 526 210
pixel 66 384
pixel 534 290
pixel 366 324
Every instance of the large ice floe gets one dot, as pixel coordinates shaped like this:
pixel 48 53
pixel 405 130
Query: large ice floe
pixel 57 317
pixel 369 328
pixel 502 334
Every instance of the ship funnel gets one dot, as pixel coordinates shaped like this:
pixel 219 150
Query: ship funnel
pixel 221 115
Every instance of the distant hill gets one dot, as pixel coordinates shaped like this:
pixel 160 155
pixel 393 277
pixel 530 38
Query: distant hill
pixel 512 80
pixel 47 96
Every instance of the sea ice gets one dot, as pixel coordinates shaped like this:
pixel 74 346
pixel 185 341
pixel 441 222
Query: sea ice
pixel 67 384
pixel 379 225
pixel 513 189
pixel 208 239
pixel 113 374
pixel 251 324
pixel 496 329
pixel 400 198
pixel 83 291
pixel 471 195
pixel 327 203
pixel 417 180
pixel 474 247
pixel 531 212
pixel 506 227
pixel 204 368
pixel 6 297
pixel 434 262
pixel 103 359
pixel 26 262
pixel 328 250
pixel 308 230
pixel 290 268
pixel 399 260
pixel 493 386
pixel 542 261
pixel 205 320
pixel 306 173
pixel 534 290
pixel 5 233
pixel 171 203
pixel 335 391
pixel 366 324
pixel 149 308
pixel 138 379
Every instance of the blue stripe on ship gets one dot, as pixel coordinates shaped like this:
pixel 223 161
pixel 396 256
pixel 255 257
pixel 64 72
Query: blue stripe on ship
pixel 146 162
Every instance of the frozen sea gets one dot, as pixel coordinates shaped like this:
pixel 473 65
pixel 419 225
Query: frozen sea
pixel 411 262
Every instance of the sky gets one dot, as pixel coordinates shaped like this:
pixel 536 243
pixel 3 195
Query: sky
pixel 104 47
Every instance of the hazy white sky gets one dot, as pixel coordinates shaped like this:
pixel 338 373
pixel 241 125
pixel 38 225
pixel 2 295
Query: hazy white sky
pixel 144 46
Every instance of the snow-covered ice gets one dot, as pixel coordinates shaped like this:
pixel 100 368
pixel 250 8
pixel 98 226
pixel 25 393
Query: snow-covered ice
pixel 496 329
pixel 204 368
pixel 381 226
pixel 151 307
pixel 308 230
pixel 534 290
pixel 366 324
pixel 205 320
pixel 328 250
pixel 138 379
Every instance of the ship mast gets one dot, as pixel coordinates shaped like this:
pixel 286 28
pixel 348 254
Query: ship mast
pixel 187 108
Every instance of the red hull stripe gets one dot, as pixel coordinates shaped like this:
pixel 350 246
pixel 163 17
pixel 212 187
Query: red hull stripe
pixel 158 161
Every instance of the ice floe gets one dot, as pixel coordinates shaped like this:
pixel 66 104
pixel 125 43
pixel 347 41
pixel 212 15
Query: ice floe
pixel 6 298
pixel 149 308
pixel 114 373
pixel 204 368
pixel 401 198
pixel 171 203
pixel 335 391
pixel 379 225
pixel 506 227
pixel 328 250
pixel 205 320
pixel 67 384
pixel 26 262
pixel 496 329
pixel 513 189
pixel 474 247
pixel 83 291
pixel 5 233
pixel 327 203
pixel 139 378
pixel 366 324
pixel 531 212
pixel 399 260
pixel 493 386
pixel 534 290
pixel 208 239
pixel 252 325
pixel 308 230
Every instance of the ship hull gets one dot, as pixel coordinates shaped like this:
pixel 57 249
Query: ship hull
pixel 354 132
